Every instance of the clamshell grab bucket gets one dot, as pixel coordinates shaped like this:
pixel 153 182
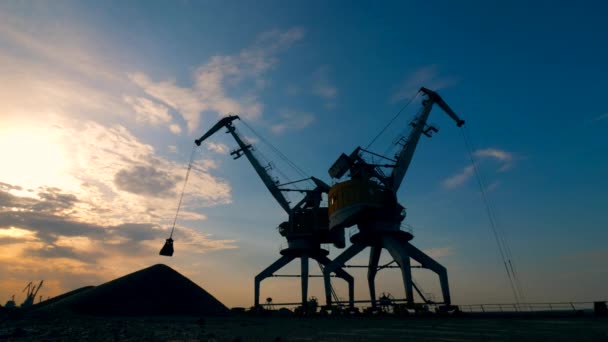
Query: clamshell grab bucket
pixel 167 249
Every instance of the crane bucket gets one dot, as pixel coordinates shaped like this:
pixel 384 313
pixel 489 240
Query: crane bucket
pixel 167 249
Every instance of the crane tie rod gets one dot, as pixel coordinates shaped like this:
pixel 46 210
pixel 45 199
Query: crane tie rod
pixel 277 151
pixel 393 119
pixel 181 196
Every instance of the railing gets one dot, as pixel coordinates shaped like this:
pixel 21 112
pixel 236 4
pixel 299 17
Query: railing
pixel 563 307
pixel 406 227
pixel 528 307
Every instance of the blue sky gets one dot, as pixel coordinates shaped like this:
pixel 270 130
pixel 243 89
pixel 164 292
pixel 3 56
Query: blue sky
pixel 100 103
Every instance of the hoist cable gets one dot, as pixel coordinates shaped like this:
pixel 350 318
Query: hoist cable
pixel 497 237
pixel 181 196
pixel 392 120
pixel 509 256
pixel 503 242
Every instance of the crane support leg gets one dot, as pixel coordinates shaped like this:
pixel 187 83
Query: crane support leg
pixel 304 278
pixel 427 262
pixel 341 273
pixel 336 264
pixel 372 269
pixel 400 254
pixel 275 266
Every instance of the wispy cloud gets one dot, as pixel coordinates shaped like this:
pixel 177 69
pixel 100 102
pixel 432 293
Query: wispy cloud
pixel 427 76
pixel 601 117
pixel 215 82
pixel 149 111
pixel 504 158
pixel 322 86
pixel 175 128
pixel 292 120
pixel 217 147
pixel 459 178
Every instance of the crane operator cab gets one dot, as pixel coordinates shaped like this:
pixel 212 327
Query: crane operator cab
pixel 363 200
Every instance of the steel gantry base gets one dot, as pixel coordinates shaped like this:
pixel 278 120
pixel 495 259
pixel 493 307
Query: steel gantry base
pixel 318 254
pixel 401 251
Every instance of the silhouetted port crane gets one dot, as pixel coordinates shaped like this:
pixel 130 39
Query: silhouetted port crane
pixel 369 200
pixel 307 226
pixel 32 290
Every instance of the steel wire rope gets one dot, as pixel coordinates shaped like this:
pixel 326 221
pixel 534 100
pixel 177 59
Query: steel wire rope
pixel 301 172
pixel 504 241
pixel 490 215
pixel 392 120
pixel 267 161
pixel 282 156
pixel 181 196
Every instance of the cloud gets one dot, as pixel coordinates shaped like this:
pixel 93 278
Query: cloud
pixel 215 82
pixel 292 120
pixel 601 117
pixel 72 210
pixel 506 158
pixel 217 147
pixel 427 76
pixel 60 244
pixel 146 180
pixel 322 87
pixel 175 128
pixel 74 53
pixel 459 178
pixel 148 111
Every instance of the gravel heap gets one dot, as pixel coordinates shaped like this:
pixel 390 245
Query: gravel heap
pixel 156 290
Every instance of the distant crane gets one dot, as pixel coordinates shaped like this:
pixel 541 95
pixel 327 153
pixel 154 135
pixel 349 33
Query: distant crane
pixel 369 200
pixel 307 226
pixel 10 303
pixel 32 291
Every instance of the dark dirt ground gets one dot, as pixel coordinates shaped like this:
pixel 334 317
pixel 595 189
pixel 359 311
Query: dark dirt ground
pixel 245 328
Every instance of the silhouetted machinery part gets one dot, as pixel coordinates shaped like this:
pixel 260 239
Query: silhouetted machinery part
pixel 386 301
pixel 32 290
pixel 307 226
pixel 368 200
pixel 167 249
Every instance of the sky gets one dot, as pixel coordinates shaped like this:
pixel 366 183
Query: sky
pixel 100 103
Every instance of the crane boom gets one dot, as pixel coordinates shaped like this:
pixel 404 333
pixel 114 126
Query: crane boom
pixel 246 150
pixel 36 289
pixel 419 127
